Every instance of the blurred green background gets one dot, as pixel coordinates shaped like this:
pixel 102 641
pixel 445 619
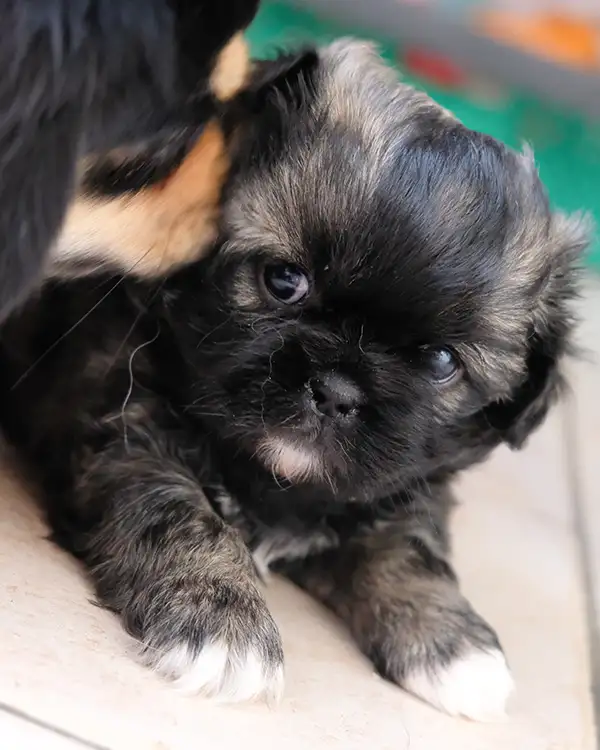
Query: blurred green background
pixel 567 148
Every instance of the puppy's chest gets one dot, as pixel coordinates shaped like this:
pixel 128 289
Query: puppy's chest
pixel 273 539
pixel 278 531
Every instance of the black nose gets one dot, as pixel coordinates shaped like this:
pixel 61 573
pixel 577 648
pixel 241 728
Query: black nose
pixel 335 396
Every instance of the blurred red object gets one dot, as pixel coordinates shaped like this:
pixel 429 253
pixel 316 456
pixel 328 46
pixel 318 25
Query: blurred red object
pixel 434 68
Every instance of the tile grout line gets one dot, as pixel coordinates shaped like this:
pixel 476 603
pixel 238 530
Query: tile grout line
pixel 571 446
pixel 18 713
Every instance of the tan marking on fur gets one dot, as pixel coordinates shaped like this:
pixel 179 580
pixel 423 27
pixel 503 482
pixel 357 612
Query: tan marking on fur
pixel 231 69
pixel 156 229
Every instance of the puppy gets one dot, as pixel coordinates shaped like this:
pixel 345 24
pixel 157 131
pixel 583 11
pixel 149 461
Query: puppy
pixel 88 76
pixel 387 300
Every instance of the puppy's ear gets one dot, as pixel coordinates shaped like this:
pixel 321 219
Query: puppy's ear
pixel 518 417
pixel 287 75
pixel 550 335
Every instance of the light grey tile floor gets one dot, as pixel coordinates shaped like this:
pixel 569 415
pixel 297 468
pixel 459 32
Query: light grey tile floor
pixel 584 457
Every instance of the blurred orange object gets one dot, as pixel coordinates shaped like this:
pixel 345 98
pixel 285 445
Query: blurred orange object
pixel 566 40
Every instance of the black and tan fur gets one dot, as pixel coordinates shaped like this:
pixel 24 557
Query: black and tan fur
pixel 147 208
pixel 130 218
pixel 84 77
pixel 189 433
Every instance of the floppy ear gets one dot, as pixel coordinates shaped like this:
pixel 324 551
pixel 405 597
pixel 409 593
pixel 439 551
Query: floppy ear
pixel 274 85
pixel 287 74
pixel 550 336
pixel 518 417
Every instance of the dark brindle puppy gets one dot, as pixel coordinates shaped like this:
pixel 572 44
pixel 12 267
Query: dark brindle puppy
pixel 388 299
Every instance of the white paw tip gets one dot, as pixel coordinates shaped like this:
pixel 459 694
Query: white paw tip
pixel 476 686
pixel 223 674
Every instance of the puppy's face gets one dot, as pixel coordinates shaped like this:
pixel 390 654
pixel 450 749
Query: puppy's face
pixel 389 294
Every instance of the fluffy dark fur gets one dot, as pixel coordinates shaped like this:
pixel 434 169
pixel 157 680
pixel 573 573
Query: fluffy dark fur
pixel 81 76
pixel 190 434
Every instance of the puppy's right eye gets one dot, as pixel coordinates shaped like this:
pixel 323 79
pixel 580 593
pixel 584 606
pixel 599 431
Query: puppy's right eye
pixel 441 362
pixel 286 282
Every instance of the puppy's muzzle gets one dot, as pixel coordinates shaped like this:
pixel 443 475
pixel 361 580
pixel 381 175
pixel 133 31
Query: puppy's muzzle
pixel 334 397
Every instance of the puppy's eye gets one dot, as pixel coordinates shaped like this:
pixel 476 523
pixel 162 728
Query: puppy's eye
pixel 441 363
pixel 286 282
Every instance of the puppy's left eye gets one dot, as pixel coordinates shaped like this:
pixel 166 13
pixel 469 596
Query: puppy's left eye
pixel 441 363
pixel 286 282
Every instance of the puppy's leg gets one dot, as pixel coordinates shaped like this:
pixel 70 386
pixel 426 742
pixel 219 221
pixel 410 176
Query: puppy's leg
pixel 181 580
pixel 396 590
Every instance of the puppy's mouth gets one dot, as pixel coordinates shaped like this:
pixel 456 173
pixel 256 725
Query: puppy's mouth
pixel 305 449
pixel 294 460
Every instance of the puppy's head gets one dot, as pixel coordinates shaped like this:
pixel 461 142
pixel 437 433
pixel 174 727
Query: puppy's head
pixel 390 294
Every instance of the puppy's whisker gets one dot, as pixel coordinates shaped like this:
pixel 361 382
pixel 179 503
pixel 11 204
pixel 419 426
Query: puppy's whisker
pixel 212 332
pixel 268 379
pixel 276 479
pixel 360 340
pixel 132 328
pixel 74 327
pixel 292 417
pixel 61 338
pixel 131 383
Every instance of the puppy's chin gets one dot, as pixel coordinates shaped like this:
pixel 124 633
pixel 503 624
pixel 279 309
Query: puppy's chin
pixel 291 461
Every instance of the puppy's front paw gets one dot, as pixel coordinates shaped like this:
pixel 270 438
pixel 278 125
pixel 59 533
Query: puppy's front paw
pixel 217 639
pixel 475 684
pixel 444 653
pixel 225 671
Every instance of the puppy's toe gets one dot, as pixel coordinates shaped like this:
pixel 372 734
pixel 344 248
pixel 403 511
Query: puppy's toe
pixel 222 643
pixel 475 685
pixel 224 672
